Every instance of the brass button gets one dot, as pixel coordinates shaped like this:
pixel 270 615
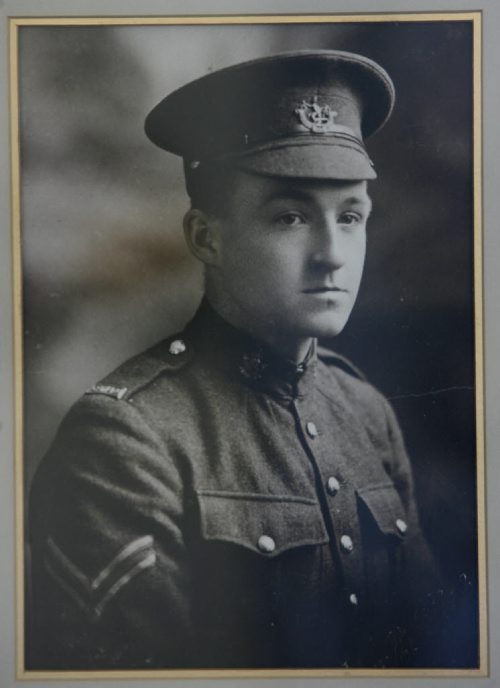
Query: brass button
pixel 401 526
pixel 332 485
pixel 353 599
pixel 347 543
pixel 312 430
pixel 177 347
pixel 266 544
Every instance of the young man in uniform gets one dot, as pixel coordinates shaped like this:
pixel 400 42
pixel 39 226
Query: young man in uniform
pixel 231 497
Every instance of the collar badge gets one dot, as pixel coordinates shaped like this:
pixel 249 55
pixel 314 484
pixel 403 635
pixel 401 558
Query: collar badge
pixel 253 365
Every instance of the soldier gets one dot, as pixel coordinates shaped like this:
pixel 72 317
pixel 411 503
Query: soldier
pixel 234 496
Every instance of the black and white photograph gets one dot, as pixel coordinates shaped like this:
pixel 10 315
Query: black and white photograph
pixel 251 334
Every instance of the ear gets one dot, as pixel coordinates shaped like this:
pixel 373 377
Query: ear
pixel 201 232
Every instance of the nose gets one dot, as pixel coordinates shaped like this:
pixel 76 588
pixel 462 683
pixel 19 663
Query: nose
pixel 328 251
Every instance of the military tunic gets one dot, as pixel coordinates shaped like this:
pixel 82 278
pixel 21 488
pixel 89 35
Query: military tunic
pixel 210 504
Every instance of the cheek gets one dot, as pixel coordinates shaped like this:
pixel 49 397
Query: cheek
pixel 236 252
pixel 357 257
pixel 361 263
pixel 263 263
pixel 244 268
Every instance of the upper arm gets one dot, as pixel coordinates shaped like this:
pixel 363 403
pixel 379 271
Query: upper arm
pixel 107 513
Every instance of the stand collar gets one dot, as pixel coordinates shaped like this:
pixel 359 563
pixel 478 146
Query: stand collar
pixel 254 362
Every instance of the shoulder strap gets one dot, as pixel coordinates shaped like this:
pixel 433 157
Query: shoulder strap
pixel 168 356
pixel 332 358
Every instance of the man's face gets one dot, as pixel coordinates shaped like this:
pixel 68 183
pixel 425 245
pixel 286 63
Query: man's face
pixel 291 255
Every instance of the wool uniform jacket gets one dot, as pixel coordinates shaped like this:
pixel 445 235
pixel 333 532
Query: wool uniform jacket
pixel 210 504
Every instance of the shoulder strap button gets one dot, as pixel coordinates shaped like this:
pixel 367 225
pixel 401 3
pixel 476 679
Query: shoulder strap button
pixel 177 347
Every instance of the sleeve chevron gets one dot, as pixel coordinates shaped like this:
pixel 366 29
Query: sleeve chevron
pixel 92 594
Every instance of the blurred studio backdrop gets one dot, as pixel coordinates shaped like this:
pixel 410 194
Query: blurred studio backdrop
pixel 106 271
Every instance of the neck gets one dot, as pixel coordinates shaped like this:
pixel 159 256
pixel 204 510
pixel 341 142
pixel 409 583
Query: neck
pixel 293 348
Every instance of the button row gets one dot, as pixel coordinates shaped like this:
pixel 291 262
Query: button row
pixel 333 486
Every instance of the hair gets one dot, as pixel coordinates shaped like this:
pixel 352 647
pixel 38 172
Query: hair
pixel 209 187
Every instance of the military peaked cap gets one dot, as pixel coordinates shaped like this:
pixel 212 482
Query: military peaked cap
pixel 297 114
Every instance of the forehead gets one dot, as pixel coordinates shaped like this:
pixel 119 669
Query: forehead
pixel 263 190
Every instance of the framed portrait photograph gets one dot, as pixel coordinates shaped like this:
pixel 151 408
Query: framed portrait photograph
pixel 248 345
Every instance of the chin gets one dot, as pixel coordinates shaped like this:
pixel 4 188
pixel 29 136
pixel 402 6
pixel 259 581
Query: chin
pixel 326 327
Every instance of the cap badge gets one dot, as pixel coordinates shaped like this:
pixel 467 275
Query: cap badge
pixel 320 118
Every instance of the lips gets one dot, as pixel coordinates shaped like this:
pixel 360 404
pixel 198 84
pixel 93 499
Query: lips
pixel 324 290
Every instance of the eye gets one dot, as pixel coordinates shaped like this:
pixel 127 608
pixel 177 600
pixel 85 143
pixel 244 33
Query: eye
pixel 290 219
pixel 350 218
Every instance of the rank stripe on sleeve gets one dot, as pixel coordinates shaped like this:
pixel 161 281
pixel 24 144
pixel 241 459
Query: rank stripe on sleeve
pixel 94 593
pixel 145 563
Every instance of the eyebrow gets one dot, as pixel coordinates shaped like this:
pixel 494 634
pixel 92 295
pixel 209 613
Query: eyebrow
pixel 355 200
pixel 300 195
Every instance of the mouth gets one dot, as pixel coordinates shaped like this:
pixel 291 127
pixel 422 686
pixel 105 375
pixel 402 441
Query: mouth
pixel 325 290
